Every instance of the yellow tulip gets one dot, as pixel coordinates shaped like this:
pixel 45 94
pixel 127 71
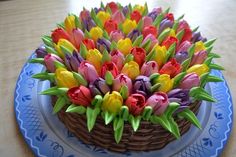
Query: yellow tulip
pixel 96 32
pixel 199 69
pixel 112 102
pixel 160 54
pixel 172 33
pixel 165 81
pixel 139 8
pixel 124 45
pixel 65 43
pixel 65 78
pixel 103 16
pixel 131 69
pixel 129 25
pixel 199 46
pixel 95 57
pixel 70 23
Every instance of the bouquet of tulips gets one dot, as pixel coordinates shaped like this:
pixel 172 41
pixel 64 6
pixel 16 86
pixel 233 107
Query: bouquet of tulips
pixel 127 65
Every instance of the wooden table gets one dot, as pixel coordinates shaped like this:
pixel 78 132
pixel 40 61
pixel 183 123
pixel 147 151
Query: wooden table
pixel 23 22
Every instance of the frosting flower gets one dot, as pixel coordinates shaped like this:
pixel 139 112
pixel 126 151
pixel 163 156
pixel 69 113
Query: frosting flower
pixel 80 96
pixel 70 23
pixel 59 33
pixel 110 25
pixel 184 46
pixel 147 21
pixel 165 24
pixel 96 32
pixel 183 25
pixel 103 16
pixel 169 41
pixel 88 71
pixel 124 45
pixel 118 17
pixel 118 58
pixel 131 69
pixel 156 11
pixel 94 57
pixel 49 60
pixel 103 44
pixel 159 102
pixel 133 34
pixel 89 43
pixel 128 26
pixel 65 78
pixel 189 81
pixel 199 57
pixel 72 61
pixel 149 30
pixel 112 102
pixel 116 35
pixel 199 69
pixel 76 37
pixel 180 96
pixel 136 104
pixel 139 55
pixel 65 43
pixel 196 36
pixel 139 8
pixel 199 46
pixel 172 68
pixel 181 56
pixel 99 87
pixel 160 54
pixel 165 81
pixel 149 68
pixel 41 52
pixel 88 24
pixel 142 85
pixel 152 38
pixel 84 14
pixel 135 15
pixel 113 6
pixel 122 80
pixel 109 66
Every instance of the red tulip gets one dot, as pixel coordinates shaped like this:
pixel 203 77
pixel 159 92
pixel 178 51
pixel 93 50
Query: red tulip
pixel 89 43
pixel 135 15
pixel 113 6
pixel 169 41
pixel 149 30
pixel 118 58
pixel 59 33
pixel 183 25
pixel 109 66
pixel 139 55
pixel 171 68
pixel 110 26
pixel 135 103
pixel 170 16
pixel 80 95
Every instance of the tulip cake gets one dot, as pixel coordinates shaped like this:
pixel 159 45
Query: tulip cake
pixel 127 79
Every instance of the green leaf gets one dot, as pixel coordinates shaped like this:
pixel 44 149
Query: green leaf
pixel 190 116
pixel 55 91
pixel 118 133
pixel 61 25
pixel 208 61
pixel 178 78
pixel 76 109
pixel 65 50
pixel 137 42
pixel 59 64
pixel 172 107
pixel 124 112
pixel 147 45
pixel 155 87
pixel 80 79
pixel 145 12
pixel 154 76
pixel 108 117
pixel 51 50
pixel 77 22
pixel 203 78
pixel 170 52
pixel 214 55
pixel 185 64
pixel 174 128
pixel 108 9
pixel 45 76
pixel 215 66
pixel 191 51
pixel 181 17
pixel 113 45
pixel 129 58
pixel 195 29
pixel 48 41
pixel 151 55
pixel 118 122
pixel 200 94
pixel 91 115
pixel 180 35
pixel 140 25
pixel 87 34
pixel 208 49
pixel 105 56
pixel 106 35
pixel 209 42
pixel 97 101
pixel 135 122
pixel 147 112
pixel 162 120
pixel 109 78
pixel 60 103
pixel 102 5
pixel 83 50
pixel 175 25
pixel 211 78
pixel 37 60
pixel 158 20
pixel 163 35
pixel 124 92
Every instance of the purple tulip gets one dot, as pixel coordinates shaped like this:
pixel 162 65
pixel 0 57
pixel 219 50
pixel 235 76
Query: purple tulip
pixel 41 51
pixel 165 24
pixel 199 57
pixel 189 81
pixel 181 56
pixel 147 21
pixel 73 61
pixel 180 96
pixel 184 46
pixel 103 44
pixel 98 9
pixel 149 68
pixel 125 10
pixel 88 71
pixel 117 58
pixel 116 35
pixel 122 80
pixel 99 87
pixel 159 102
pixel 197 37
pixel 134 34
pixel 142 85
pixel 88 23
pixel 85 14
pixel 153 14
pixel 49 60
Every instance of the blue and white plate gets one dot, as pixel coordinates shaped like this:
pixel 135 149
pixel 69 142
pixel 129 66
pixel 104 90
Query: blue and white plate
pixel 48 137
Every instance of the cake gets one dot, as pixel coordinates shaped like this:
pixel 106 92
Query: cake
pixel 125 78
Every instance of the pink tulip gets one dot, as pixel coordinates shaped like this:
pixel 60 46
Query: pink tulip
pixel 118 16
pixel 49 60
pixel 149 68
pixel 122 80
pixel 147 21
pixel 88 71
pixel 118 58
pixel 76 37
pixel 152 38
pixel 184 46
pixel 199 57
pixel 116 35
pixel 189 81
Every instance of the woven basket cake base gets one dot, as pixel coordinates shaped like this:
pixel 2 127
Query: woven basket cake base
pixel 148 137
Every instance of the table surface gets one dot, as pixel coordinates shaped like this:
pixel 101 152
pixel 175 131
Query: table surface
pixel 23 22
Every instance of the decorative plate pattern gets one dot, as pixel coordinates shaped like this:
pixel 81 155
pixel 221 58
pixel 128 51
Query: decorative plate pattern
pixel 48 137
